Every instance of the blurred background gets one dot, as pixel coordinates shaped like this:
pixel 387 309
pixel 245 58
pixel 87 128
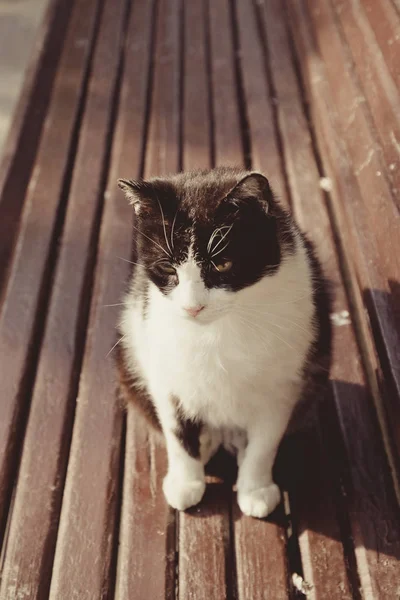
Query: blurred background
pixel 20 21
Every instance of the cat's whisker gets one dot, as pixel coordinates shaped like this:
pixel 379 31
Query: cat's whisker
pixel 221 250
pixel 214 234
pixel 131 262
pixel 151 240
pixel 173 228
pixel 311 294
pixel 212 237
pixel 164 228
pixel 271 332
pixel 119 304
pixel 115 345
pixel 275 316
pixel 253 327
pixel 229 228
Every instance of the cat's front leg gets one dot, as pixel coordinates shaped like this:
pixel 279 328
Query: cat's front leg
pixel 184 483
pixel 257 493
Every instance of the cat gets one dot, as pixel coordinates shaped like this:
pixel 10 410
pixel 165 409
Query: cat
pixel 225 328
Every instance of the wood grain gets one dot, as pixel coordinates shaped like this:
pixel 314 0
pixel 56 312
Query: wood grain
pixel 385 22
pixel 45 454
pixel 196 116
pixel 25 295
pixel 162 154
pixel 228 142
pixel 379 92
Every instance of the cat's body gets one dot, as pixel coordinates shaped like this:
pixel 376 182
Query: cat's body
pixel 223 344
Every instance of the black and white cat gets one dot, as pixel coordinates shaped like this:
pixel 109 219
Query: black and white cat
pixel 224 328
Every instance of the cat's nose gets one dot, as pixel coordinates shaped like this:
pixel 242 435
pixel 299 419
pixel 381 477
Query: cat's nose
pixel 193 311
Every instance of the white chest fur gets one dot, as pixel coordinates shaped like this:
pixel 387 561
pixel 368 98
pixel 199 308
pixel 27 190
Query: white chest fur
pixel 236 368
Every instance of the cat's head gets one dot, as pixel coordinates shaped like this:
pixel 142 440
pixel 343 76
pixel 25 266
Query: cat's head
pixel 204 236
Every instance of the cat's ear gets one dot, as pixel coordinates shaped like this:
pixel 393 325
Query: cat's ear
pixel 252 187
pixel 136 192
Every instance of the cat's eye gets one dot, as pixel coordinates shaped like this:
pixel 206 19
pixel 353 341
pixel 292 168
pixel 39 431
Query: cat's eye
pixel 224 267
pixel 167 268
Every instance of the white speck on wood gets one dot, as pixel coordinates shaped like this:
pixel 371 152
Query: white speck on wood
pixel 301 585
pixel 325 183
pixel 341 318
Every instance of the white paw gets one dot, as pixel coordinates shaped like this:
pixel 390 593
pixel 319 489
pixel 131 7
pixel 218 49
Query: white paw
pixel 181 494
pixel 260 502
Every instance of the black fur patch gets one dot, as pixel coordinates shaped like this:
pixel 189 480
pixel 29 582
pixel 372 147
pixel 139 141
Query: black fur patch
pixel 188 431
pixel 131 392
pixel 318 361
pixel 185 209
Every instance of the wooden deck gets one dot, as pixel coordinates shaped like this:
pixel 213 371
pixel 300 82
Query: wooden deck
pixel 301 89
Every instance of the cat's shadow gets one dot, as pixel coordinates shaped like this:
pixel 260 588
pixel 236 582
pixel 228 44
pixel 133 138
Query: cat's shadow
pixel 334 488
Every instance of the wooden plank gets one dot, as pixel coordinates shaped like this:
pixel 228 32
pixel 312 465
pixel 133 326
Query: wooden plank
pixel 162 155
pixel 259 100
pixel 146 568
pixel 25 296
pixel 196 93
pixel 23 139
pixel 371 220
pixel 385 21
pixel 228 143
pixel 378 87
pixel 205 558
pixel 33 532
pixel 370 497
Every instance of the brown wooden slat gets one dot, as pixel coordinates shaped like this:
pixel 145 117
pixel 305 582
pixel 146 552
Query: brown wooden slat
pixel 370 221
pixel 146 567
pixel 146 561
pixel 162 155
pixel 378 86
pixel 196 103
pixel 205 567
pixel 385 21
pixel 23 139
pixel 28 563
pixel 259 98
pixel 368 484
pixel 228 144
pixel 24 294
